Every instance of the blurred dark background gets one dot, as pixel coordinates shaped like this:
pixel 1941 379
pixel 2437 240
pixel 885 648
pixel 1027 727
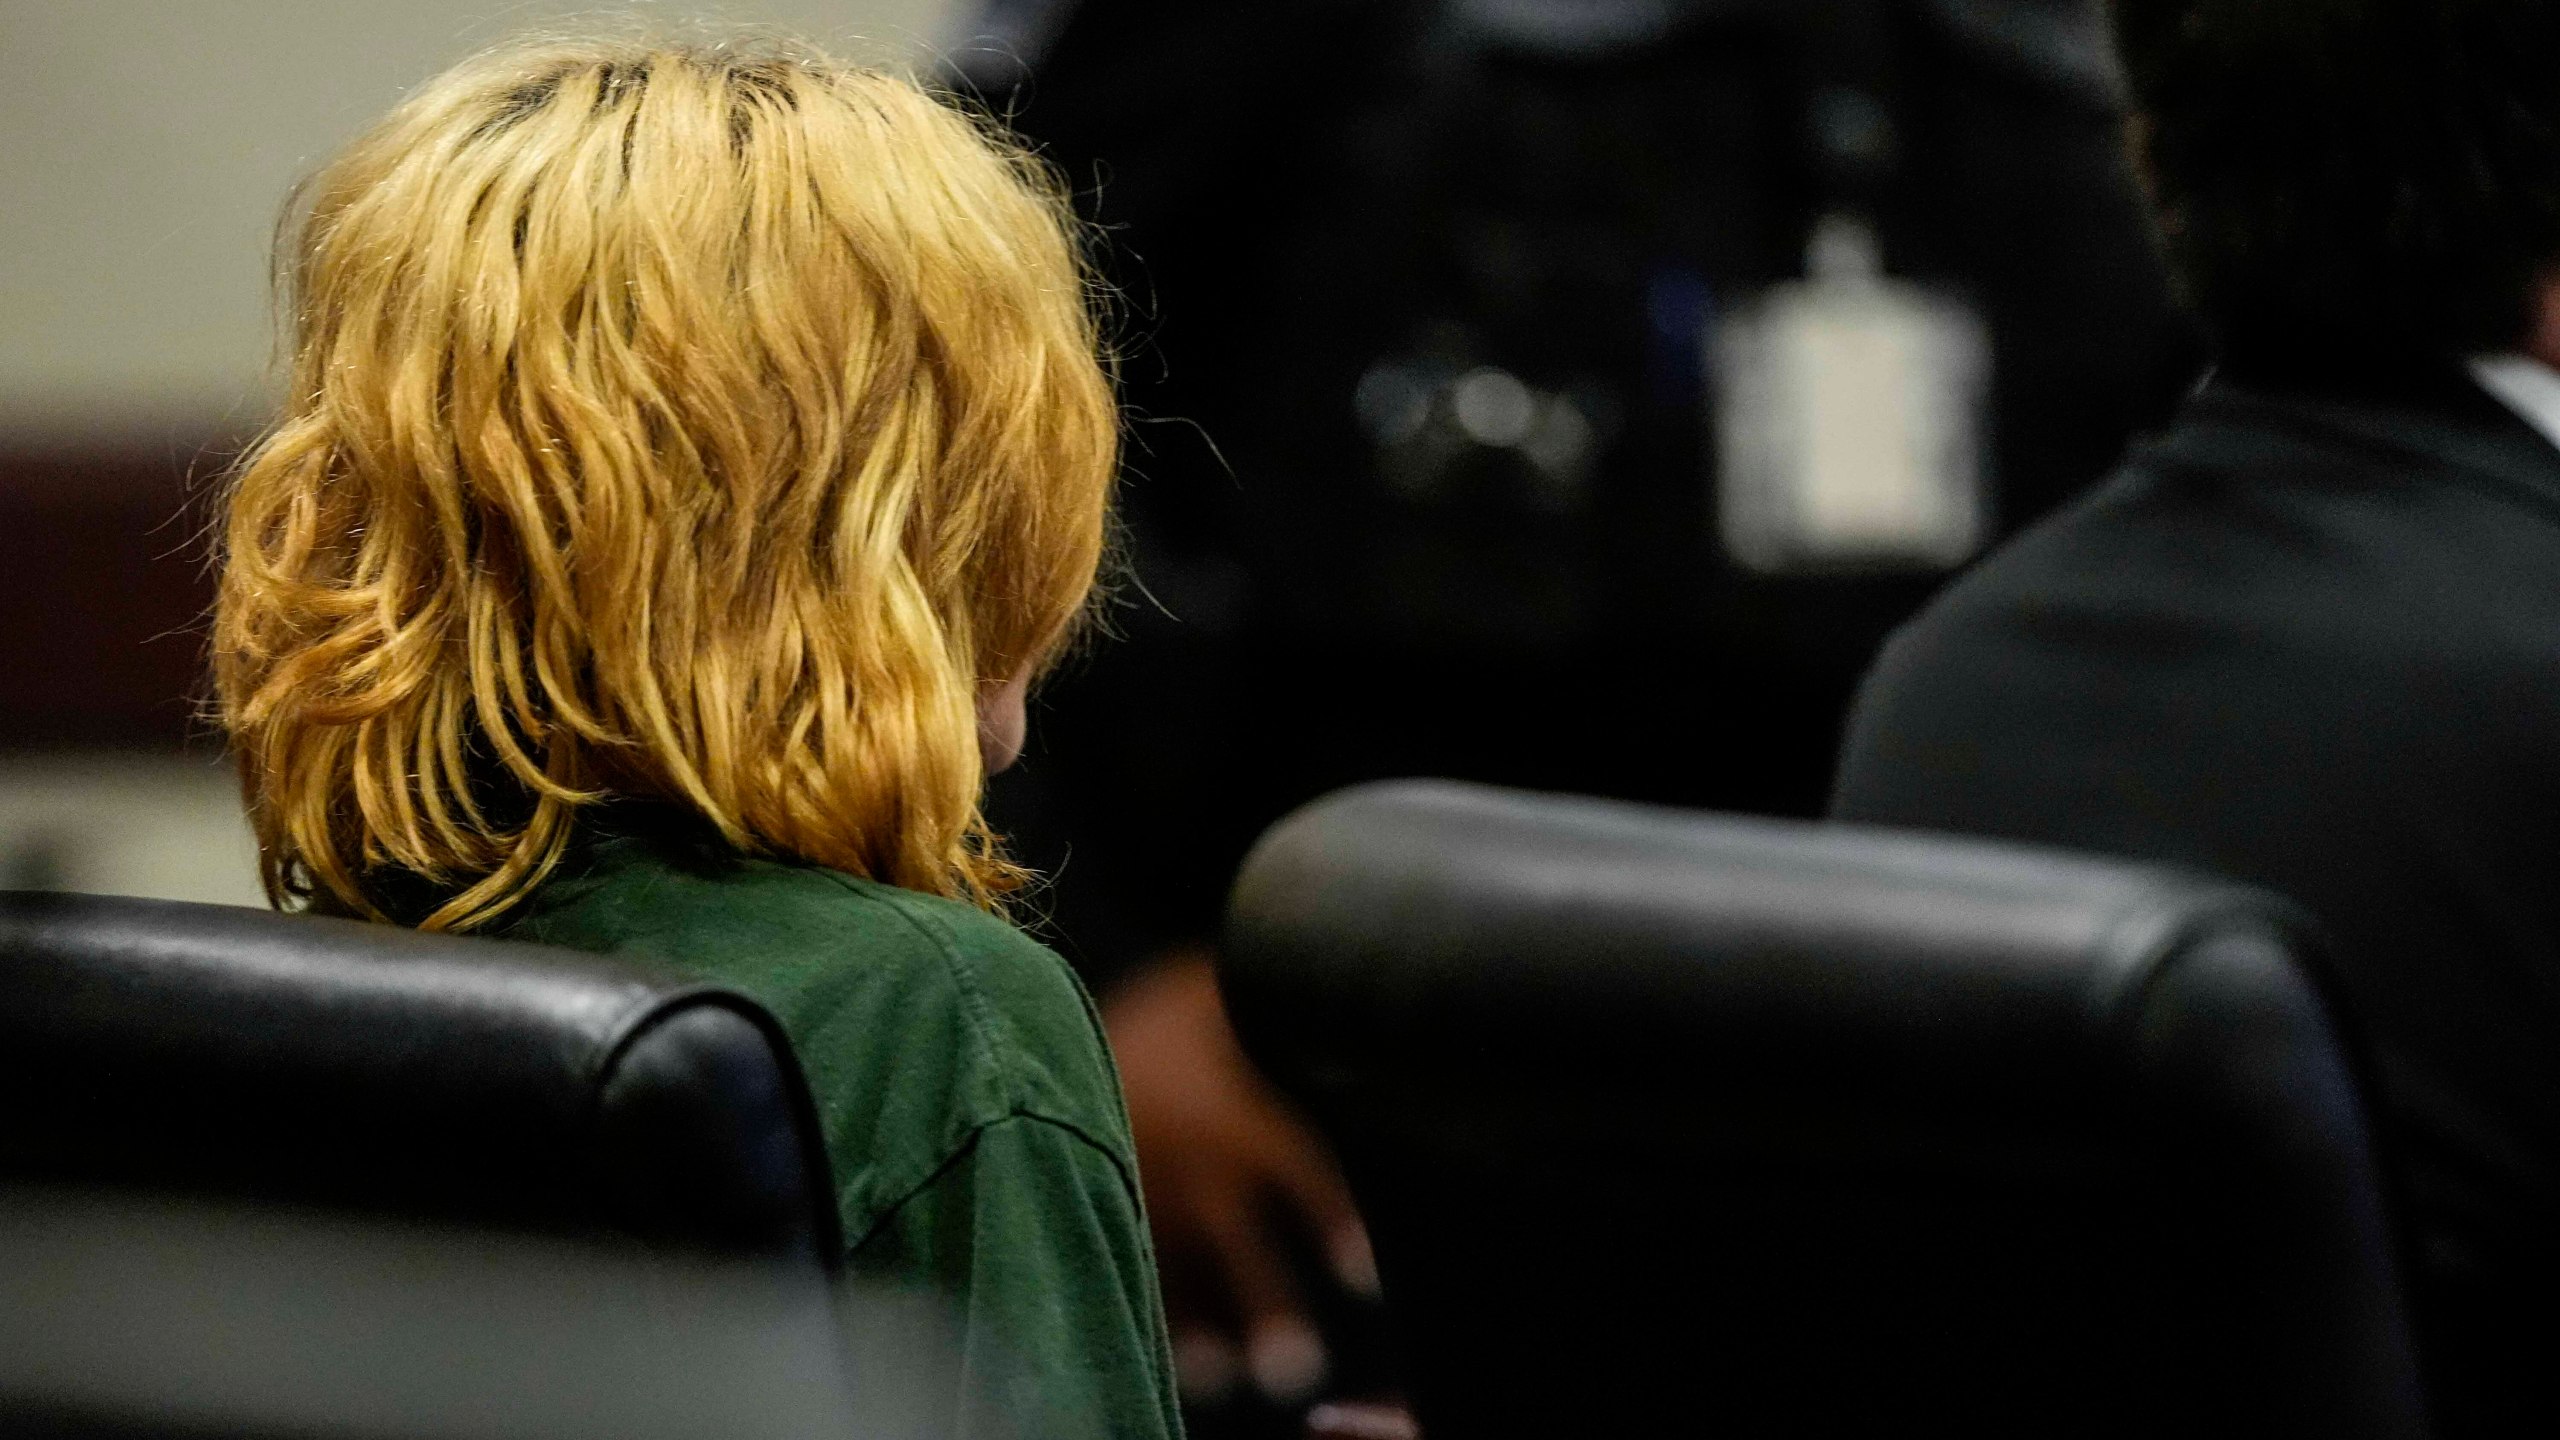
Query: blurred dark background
pixel 1417 298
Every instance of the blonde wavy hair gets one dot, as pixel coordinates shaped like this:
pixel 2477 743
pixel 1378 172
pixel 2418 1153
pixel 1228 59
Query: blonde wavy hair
pixel 704 422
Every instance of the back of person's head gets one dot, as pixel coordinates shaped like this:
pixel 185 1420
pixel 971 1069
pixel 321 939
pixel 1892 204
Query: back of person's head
pixel 2357 176
pixel 708 423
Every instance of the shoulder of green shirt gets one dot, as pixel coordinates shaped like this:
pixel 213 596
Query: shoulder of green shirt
pixel 917 1020
pixel 1042 1034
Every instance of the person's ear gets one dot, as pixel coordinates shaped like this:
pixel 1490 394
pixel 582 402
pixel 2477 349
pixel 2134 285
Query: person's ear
pixel 1004 719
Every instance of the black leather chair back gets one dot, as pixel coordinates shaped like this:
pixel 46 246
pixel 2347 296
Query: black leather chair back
pixel 223 1051
pixel 1760 1127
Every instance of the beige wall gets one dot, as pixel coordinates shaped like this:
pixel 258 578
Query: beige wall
pixel 165 826
pixel 146 145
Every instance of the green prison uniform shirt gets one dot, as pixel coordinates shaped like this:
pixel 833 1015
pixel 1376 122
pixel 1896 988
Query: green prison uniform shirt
pixel 972 1115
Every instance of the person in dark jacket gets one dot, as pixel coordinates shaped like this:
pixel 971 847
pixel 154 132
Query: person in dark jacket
pixel 2311 637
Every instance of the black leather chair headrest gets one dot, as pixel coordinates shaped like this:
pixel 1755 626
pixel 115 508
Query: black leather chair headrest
pixel 1431 913
pixel 1668 1117
pixel 218 1050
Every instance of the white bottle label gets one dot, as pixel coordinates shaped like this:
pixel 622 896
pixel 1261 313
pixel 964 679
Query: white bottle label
pixel 1849 417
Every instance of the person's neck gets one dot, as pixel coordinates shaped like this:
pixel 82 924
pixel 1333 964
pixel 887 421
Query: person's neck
pixel 2347 368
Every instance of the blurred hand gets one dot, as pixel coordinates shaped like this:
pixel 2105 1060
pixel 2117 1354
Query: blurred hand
pixel 1229 1172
